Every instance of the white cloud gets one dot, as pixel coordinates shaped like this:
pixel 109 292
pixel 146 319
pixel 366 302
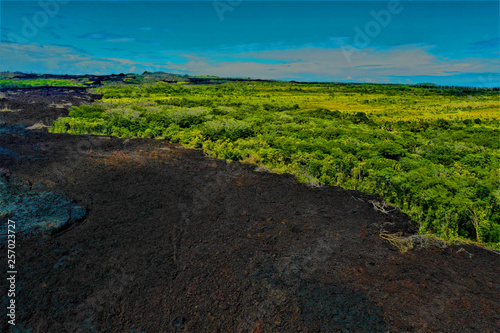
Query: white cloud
pixel 395 64
pixel 64 60
pixel 331 64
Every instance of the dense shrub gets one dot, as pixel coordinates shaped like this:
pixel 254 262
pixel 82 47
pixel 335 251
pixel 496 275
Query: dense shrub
pixel 390 150
pixel 325 114
pixel 87 111
pixel 226 128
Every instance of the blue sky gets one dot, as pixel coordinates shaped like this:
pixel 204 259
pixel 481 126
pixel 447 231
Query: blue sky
pixel 445 42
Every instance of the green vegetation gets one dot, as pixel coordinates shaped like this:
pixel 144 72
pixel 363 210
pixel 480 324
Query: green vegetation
pixel 27 83
pixel 432 151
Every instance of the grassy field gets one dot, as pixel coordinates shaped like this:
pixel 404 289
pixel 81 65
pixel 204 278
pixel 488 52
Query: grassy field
pixel 432 151
pixel 9 83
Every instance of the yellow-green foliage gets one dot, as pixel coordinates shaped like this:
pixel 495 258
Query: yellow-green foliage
pixel 432 151
pixel 25 83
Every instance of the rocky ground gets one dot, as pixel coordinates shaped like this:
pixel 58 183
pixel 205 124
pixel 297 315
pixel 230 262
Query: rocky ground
pixel 175 241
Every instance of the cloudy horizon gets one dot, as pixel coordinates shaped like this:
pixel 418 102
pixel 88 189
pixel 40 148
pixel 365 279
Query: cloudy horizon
pixel 442 42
